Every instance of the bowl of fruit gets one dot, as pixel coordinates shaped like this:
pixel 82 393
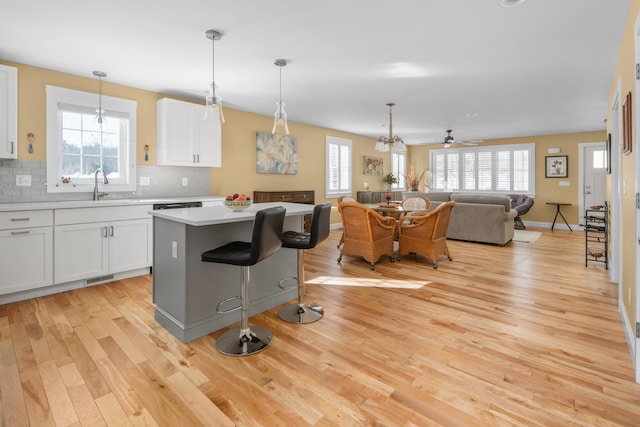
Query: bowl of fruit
pixel 237 202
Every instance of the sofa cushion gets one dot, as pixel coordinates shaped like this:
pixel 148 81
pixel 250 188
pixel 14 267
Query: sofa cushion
pixel 483 199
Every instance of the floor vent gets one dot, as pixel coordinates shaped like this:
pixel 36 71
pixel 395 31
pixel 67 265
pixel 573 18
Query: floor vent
pixel 99 279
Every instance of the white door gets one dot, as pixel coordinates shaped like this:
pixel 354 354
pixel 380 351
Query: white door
pixel 595 175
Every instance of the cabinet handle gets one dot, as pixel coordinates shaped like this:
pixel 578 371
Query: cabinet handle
pixel 105 231
pixel 198 157
pixel 111 230
pixel 20 219
pixel 14 233
pixel 12 147
pixel 193 160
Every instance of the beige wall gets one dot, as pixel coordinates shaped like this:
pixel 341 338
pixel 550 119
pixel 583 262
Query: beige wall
pixel 547 189
pixel 625 75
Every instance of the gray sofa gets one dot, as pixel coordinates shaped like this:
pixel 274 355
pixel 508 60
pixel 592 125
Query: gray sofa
pixel 476 217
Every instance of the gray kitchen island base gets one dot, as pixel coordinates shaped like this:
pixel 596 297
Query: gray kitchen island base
pixel 186 290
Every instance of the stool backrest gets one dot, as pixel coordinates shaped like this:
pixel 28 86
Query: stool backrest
pixel 320 223
pixel 267 233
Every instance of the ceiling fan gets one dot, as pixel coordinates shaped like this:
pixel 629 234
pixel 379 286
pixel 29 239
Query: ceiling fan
pixel 449 140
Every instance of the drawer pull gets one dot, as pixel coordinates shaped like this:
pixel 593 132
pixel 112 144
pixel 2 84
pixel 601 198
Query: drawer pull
pixel 20 219
pixel 105 231
pixel 14 233
pixel 111 230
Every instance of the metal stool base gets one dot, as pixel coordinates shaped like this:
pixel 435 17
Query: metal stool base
pixel 301 313
pixel 234 343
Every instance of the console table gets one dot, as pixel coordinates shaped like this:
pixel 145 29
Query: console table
pixel 369 197
pixel 557 205
pixel 306 197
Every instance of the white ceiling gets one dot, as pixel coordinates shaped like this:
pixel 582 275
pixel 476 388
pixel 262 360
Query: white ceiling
pixel 544 67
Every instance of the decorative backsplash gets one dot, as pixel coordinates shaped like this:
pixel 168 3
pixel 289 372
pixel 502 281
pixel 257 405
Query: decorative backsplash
pixel 164 181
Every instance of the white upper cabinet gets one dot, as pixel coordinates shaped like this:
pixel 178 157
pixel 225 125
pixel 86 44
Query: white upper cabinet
pixel 8 112
pixel 184 138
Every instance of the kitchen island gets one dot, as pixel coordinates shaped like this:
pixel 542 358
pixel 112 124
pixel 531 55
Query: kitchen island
pixel 186 290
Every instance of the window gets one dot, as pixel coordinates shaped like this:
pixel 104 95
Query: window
pixel 496 169
pixel 338 169
pixel 76 147
pixel 398 164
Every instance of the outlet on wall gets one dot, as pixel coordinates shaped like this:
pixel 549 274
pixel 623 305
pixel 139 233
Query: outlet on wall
pixel 23 180
pixel 185 181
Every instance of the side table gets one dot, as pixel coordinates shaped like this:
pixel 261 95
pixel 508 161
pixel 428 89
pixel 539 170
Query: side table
pixel 557 205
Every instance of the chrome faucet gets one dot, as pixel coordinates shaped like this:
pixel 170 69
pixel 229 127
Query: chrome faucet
pixel 96 194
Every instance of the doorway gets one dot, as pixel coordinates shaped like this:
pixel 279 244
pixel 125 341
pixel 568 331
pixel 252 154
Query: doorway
pixel 593 176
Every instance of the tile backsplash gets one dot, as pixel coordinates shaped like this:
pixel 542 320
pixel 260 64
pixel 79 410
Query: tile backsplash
pixel 164 181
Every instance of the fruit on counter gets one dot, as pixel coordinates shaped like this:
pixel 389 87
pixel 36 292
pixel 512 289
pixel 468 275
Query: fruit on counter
pixel 237 197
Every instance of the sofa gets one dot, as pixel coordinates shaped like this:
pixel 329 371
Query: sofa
pixel 476 217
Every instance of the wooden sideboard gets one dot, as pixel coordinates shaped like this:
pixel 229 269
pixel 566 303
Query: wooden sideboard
pixel 306 197
pixel 368 197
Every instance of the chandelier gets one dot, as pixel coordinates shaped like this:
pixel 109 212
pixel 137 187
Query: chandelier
pixel 280 126
pixel 213 101
pixel 384 142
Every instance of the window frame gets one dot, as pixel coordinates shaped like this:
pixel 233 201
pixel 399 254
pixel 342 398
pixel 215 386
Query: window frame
pixel 332 141
pixel 124 108
pixel 462 185
pixel 399 168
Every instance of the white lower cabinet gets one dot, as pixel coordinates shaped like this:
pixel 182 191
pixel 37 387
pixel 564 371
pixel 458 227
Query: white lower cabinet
pixel 26 250
pixel 92 250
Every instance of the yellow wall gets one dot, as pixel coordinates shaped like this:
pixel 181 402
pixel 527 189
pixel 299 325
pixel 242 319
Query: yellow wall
pixel 625 74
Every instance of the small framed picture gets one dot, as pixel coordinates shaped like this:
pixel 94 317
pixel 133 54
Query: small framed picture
pixel 556 167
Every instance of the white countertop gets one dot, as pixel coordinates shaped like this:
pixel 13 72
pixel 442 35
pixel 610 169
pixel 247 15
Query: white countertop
pixel 222 215
pixel 7 207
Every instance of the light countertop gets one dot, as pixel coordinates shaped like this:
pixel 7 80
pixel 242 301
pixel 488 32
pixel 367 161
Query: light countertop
pixel 7 207
pixel 222 215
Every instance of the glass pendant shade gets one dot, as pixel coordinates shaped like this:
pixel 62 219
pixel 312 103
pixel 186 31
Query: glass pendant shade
pixel 280 125
pixel 213 105
pixel 381 146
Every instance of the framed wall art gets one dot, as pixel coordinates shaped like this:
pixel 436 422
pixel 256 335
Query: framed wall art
pixel 556 167
pixel 372 165
pixel 276 154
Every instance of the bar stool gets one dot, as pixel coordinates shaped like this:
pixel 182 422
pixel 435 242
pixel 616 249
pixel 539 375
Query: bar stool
pixel 302 312
pixel 265 241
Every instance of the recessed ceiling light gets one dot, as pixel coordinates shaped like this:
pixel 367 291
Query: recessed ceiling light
pixel 511 3
pixel 472 114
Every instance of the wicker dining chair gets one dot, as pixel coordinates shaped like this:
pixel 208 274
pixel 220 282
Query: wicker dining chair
pixel 426 234
pixel 366 233
pixel 416 205
pixel 340 200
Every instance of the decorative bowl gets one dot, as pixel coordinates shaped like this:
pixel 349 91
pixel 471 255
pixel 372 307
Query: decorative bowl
pixel 237 205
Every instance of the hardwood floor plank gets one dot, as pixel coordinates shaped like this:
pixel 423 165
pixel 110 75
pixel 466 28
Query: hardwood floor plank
pixel 59 400
pixel 14 410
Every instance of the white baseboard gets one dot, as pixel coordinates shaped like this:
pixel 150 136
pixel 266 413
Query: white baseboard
pixel 629 334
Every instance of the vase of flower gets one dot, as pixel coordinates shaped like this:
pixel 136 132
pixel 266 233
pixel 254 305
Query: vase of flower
pixel 388 197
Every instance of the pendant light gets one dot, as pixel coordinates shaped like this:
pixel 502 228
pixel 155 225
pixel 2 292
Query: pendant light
pixel 280 126
pixel 212 99
pixel 100 119
pixel 384 142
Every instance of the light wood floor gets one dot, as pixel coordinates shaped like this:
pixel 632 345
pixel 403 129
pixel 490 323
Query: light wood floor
pixel 518 335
